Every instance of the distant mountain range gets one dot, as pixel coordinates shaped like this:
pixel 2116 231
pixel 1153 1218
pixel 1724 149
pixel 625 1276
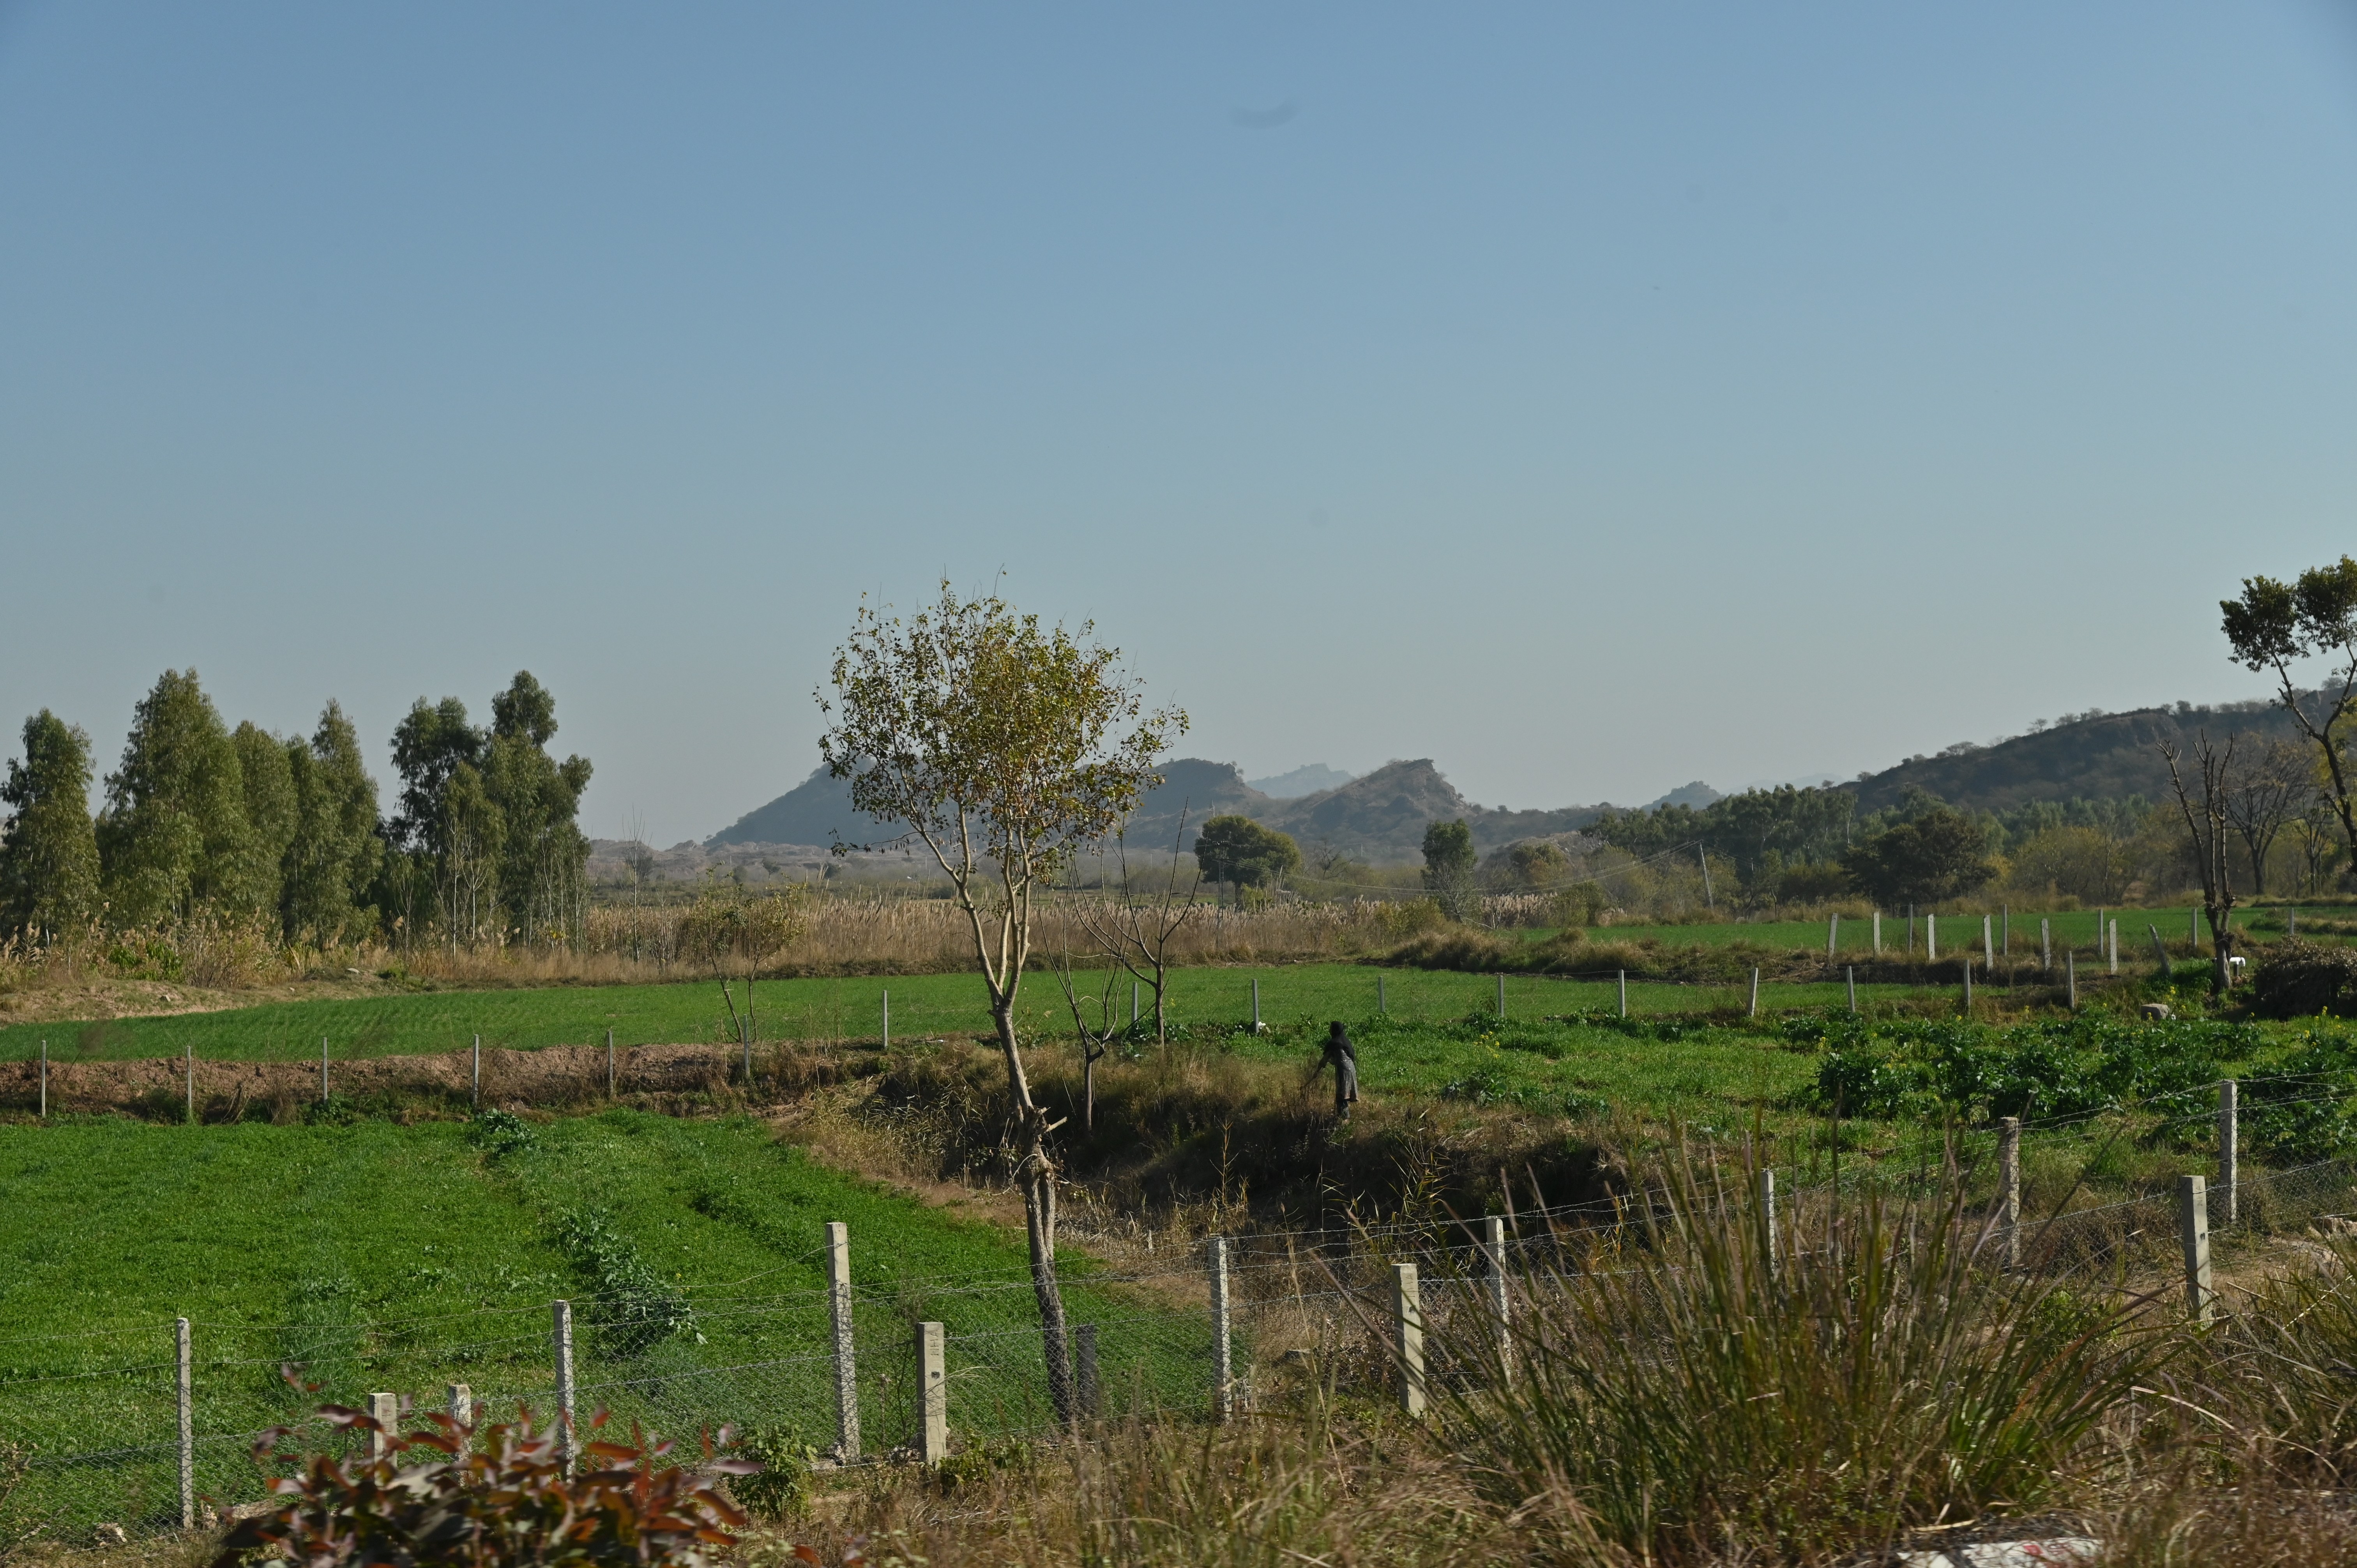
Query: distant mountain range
pixel 1380 817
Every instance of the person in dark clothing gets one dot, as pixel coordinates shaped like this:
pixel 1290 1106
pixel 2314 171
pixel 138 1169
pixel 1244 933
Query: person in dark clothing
pixel 1344 1060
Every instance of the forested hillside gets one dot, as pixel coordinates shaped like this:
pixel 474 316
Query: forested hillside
pixel 2090 757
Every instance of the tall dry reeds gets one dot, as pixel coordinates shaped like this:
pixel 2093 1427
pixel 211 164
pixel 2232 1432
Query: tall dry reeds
pixel 1717 1386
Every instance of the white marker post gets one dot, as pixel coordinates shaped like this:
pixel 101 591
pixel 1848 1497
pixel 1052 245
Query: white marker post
pixel 846 1372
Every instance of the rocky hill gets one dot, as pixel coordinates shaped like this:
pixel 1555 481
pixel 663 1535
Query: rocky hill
pixel 1379 818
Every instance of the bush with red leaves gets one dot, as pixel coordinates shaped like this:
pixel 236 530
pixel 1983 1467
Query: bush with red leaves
pixel 453 1499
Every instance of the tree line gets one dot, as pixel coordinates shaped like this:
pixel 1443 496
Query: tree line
pixel 283 834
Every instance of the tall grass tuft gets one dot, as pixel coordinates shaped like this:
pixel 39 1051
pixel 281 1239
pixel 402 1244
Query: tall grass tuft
pixel 1705 1390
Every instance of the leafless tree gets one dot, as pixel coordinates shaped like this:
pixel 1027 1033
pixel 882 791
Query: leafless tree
pixel 2206 829
pixel 1097 1023
pixel 1137 933
pixel 2265 789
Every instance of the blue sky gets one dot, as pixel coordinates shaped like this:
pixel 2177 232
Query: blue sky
pixel 1590 398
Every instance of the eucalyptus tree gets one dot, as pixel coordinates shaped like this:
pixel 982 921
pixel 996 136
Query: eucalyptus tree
pixel 1006 749
pixel 174 837
pixel 335 852
pixel 49 851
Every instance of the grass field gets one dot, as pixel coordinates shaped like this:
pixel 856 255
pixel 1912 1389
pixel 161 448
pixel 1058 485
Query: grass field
pixel 836 1010
pixel 384 1257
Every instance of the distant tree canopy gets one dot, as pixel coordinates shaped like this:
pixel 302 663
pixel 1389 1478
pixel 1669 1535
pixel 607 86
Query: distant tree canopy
pixel 1762 831
pixel 1239 850
pixel 1449 865
pixel 203 821
pixel 1938 855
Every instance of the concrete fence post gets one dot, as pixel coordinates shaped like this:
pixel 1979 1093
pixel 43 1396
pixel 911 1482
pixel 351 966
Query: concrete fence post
pixel 462 1404
pixel 1877 933
pixel 1931 937
pixel 2113 934
pixel 1988 946
pixel 2229 1149
pixel 1849 977
pixel 932 1394
pixel 2193 929
pixel 846 1368
pixel 1832 936
pixel 1493 1265
pixel 1084 1369
pixel 2005 929
pixel 2070 976
pixel 385 1409
pixel 1624 993
pixel 2008 1176
pixel 1255 1004
pixel 2046 945
pixel 1407 1322
pixel 2193 1231
pixel 1768 1213
pixel 2160 954
pixel 561 1312
pixel 184 1385
pixel 1754 1011
pixel 1223 1385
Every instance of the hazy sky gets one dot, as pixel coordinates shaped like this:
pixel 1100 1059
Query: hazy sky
pixel 1590 398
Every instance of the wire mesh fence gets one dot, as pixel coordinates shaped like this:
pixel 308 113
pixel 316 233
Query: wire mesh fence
pixel 115 1431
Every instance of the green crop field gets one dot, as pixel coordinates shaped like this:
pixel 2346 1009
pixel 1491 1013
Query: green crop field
pixel 831 1009
pixel 376 1256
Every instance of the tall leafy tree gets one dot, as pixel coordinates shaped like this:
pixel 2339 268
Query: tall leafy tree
pixel 446 830
pixel 266 792
pixel 1448 863
pixel 543 862
pixel 49 851
pixel 173 836
pixel 335 853
pixel 2274 626
pixel 1005 746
